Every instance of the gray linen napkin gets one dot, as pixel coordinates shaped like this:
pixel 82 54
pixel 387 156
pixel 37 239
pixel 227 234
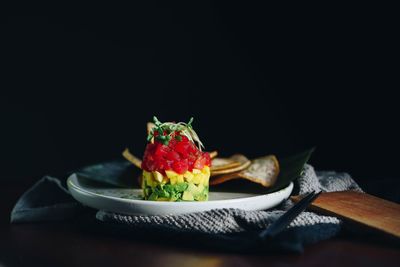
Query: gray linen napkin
pixel 229 229
pixel 307 228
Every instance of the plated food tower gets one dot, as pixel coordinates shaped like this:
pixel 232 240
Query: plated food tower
pixel 174 166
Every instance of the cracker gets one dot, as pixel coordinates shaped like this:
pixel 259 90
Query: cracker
pixel 213 154
pixel 131 158
pixel 150 126
pixel 243 164
pixel 223 163
pixel 264 171
pixel 219 179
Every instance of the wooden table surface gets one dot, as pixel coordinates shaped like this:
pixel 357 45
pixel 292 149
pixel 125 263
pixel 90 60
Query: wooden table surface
pixel 73 244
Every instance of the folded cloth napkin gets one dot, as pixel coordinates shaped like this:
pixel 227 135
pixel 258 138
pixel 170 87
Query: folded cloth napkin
pixel 230 229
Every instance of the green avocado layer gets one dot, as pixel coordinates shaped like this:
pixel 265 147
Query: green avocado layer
pixel 178 192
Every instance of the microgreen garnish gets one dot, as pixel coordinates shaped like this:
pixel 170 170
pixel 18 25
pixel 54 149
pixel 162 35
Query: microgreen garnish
pixel 167 130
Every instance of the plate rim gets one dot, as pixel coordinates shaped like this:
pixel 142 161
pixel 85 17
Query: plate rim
pixel 70 185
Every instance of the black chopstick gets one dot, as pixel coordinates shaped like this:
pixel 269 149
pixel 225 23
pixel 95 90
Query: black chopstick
pixel 283 221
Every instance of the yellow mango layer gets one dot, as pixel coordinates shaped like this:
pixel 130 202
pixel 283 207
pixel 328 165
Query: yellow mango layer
pixel 195 176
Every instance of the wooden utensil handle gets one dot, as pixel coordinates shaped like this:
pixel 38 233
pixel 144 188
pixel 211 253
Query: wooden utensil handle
pixel 374 212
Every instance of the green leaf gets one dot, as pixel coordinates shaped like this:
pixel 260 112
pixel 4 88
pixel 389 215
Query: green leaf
pixel 118 173
pixel 189 124
pixel 291 169
pixel 156 121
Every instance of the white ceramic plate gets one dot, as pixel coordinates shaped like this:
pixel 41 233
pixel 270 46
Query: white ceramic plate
pixel 128 201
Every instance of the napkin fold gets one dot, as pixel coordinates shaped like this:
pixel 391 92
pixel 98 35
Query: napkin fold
pixel 227 229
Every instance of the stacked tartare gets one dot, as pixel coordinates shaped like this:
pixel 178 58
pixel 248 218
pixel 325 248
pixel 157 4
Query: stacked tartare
pixel 174 166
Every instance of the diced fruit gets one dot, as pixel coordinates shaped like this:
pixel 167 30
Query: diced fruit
pixel 179 155
pixel 148 178
pixel 161 150
pixel 180 166
pixel 196 171
pixel 198 178
pixel 192 188
pixel 181 187
pixel 175 186
pixel 200 162
pixel 153 196
pixel 165 180
pixel 174 177
pixel 172 186
pixel 187 196
pixel 171 174
pixel 206 175
pixel 147 191
pixel 182 148
pixel 173 180
pixel 206 170
pixel 172 155
pixel 206 181
pixel 206 155
pixel 180 179
pixel 201 197
pixel 200 188
pixel 147 175
pixel 158 176
pixel 188 176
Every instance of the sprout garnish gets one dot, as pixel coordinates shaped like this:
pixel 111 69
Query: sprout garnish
pixel 166 130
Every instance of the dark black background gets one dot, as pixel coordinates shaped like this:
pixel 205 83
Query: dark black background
pixel 79 85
